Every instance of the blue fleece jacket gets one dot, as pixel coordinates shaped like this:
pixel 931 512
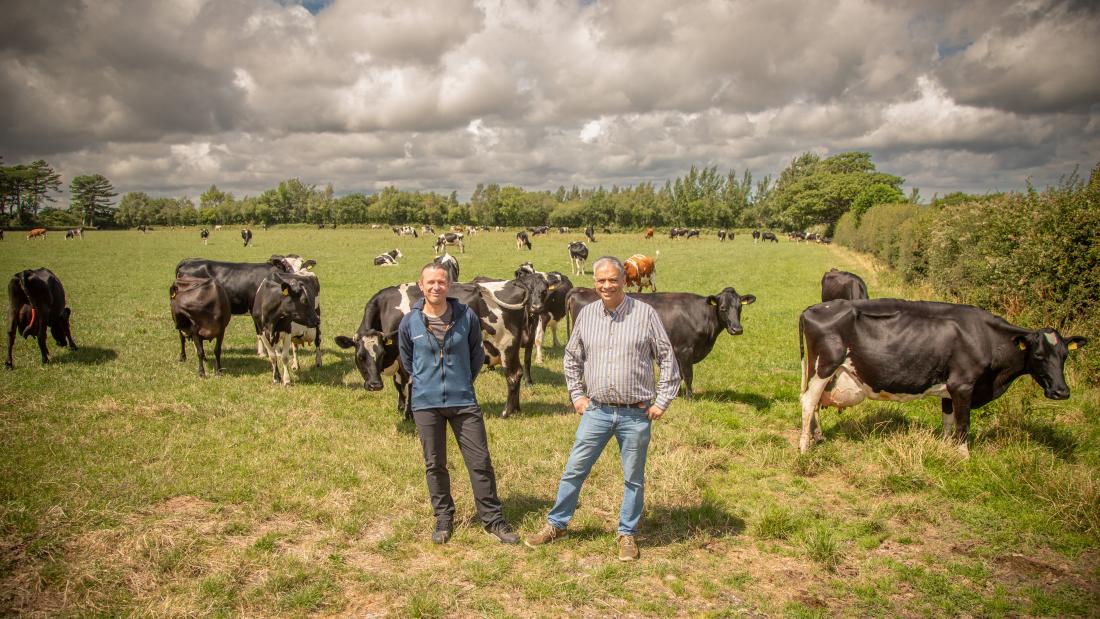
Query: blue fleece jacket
pixel 444 375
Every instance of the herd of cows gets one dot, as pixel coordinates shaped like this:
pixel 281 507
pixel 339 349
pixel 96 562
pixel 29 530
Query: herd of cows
pixel 851 347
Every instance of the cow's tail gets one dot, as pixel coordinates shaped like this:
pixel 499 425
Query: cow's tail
pixel 24 283
pixel 802 353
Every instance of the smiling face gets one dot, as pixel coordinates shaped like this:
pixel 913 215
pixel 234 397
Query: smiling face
pixel 609 285
pixel 434 283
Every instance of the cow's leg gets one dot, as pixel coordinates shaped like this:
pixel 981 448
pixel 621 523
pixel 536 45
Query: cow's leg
pixel 271 357
pixel 539 334
pixel 218 354
pixel 552 324
pixel 527 346
pixel 317 346
pixel 948 418
pixel 42 343
pixel 260 345
pixel 513 373
pixel 284 354
pixel 686 374
pixel 960 403
pixel 201 354
pixel 809 400
pixel 293 356
pixel 11 339
pixel 183 347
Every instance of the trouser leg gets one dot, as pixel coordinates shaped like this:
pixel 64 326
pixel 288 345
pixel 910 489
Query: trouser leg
pixel 593 432
pixel 432 428
pixel 468 425
pixel 633 433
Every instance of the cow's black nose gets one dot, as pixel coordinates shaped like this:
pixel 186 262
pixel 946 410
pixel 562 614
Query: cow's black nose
pixel 736 330
pixel 1057 394
pixel 373 386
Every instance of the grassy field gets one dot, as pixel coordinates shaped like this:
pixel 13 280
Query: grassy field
pixel 128 486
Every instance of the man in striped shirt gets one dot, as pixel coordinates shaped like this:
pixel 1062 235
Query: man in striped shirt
pixel 609 374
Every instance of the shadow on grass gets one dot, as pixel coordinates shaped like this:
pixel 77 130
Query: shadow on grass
pixel 1059 441
pixel 754 400
pixel 85 355
pixel 527 409
pixel 664 525
pixel 877 422
pixel 544 376
pixel 517 507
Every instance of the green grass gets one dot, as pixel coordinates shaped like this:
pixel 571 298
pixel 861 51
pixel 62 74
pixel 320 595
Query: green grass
pixel 128 486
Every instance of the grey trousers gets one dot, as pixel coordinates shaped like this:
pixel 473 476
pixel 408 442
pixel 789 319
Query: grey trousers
pixel 468 426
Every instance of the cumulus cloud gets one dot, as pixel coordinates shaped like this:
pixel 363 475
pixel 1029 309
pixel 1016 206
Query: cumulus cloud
pixel 442 94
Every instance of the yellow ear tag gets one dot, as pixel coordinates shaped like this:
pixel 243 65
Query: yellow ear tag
pixel 389 341
pixel 552 287
pixel 712 301
pixel 1072 346
pixel 286 293
pixel 173 295
pixel 1021 345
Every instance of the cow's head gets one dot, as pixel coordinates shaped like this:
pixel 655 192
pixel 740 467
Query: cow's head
pixel 728 305
pixel 1046 352
pixel 525 268
pixel 537 291
pixel 371 350
pixel 297 303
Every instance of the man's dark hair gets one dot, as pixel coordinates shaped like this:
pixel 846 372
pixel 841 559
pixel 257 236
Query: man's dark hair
pixel 435 265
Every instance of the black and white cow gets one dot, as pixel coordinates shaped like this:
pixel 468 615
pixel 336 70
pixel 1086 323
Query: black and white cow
pixel 204 234
pixel 694 232
pixel 898 351
pixel 284 303
pixel 768 236
pixel 388 259
pixel 405 231
pixel 755 236
pixel 558 286
pixel 677 232
pixel 522 321
pixel 450 263
pixel 522 240
pixel 693 322
pixel 842 285
pixel 578 256
pixel 722 235
pixel 246 236
pixel 200 309
pixel 450 238
pixel 591 234
pixel 37 302
pixel 537 230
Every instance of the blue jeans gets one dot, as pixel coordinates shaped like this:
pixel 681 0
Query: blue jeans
pixel 631 428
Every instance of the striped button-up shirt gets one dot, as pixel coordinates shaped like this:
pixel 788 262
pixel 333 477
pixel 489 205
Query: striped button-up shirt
pixel 610 355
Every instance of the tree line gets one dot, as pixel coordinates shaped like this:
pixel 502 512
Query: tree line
pixel 811 193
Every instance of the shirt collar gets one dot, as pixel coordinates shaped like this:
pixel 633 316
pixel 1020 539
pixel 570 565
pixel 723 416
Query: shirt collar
pixel 618 309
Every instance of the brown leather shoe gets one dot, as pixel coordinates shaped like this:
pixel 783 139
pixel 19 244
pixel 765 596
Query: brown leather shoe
pixel 545 535
pixel 628 548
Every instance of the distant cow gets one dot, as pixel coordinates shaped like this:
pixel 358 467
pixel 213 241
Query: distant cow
pixel 388 259
pixel 591 234
pixel 450 238
pixel 537 230
pixel 693 322
pixel 1 234
pixel 768 236
pixel 283 300
pixel 200 309
pixel 36 233
pixel 677 232
pixel 204 234
pixel 693 233
pixel 246 236
pixel 641 271
pixel 450 264
pixel 898 351
pixel 755 236
pixel 522 240
pixel 74 233
pixel 578 256
pixel 842 285
pixel 36 302
pixel 723 235
pixel 648 233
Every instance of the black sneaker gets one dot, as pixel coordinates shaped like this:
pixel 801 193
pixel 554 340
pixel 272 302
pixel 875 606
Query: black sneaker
pixel 503 532
pixel 442 533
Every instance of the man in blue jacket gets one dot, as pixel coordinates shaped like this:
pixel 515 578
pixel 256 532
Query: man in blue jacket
pixel 440 342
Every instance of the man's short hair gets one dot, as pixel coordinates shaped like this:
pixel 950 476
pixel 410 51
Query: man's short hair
pixel 612 260
pixel 435 265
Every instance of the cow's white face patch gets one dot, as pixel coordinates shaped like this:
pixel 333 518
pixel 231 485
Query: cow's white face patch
pixel 1053 339
pixel 406 305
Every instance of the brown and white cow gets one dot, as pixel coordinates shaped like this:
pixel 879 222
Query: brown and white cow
pixel 641 271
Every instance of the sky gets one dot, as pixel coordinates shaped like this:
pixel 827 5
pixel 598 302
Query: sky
pixel 171 97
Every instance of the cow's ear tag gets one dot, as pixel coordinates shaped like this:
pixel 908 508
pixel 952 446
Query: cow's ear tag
pixel 286 293
pixel 1021 345
pixel 551 287
pixel 712 302
pixel 389 341
pixel 174 296
pixel 1072 346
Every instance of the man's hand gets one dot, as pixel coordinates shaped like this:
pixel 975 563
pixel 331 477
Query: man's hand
pixel 654 412
pixel 581 404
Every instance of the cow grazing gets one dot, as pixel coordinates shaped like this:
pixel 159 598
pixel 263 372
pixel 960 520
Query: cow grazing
pixel 448 239
pixel 768 236
pixel 450 264
pixel 200 309
pixel 37 302
pixel 74 233
pixel 563 229
pixel 591 234
pixel 641 271
pixel 246 236
pixel 537 230
pixel 522 240
pixel 578 256
pixel 898 351
pixel 283 301
pixel 388 259
pixel 204 234
pixel 693 322
pixel 693 233
pixel 677 232
pixel 36 233
pixel 721 235
pixel 648 233
pixel 842 285
pixel 427 230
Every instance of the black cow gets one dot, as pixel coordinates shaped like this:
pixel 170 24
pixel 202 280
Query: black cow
pixel 204 234
pixel 1 234
pixel 842 285
pixel 246 236
pixel 388 259
pixel 450 238
pixel 558 286
pixel 522 240
pixel 591 234
pixel 694 232
pixel 693 322
pixel 894 350
pixel 537 230
pixel 755 236
pixel 285 309
pixel 241 279
pixel 200 309
pixel 768 236
pixel 37 301
pixel 450 263
pixel 578 256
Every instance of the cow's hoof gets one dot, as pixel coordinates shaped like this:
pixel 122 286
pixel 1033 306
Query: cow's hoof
pixel 8 365
pixel 964 450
